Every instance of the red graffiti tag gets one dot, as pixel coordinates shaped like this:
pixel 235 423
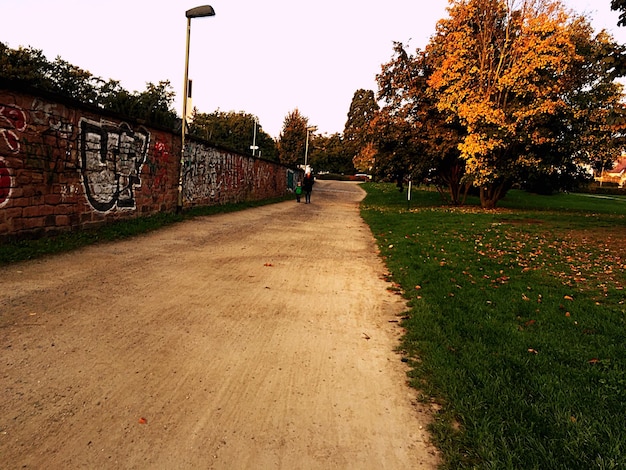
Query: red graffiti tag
pixel 12 119
pixel 5 182
pixel 14 116
pixel 11 139
pixel 161 161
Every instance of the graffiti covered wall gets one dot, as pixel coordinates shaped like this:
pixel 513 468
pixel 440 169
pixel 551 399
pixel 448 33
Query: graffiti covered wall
pixel 212 176
pixel 64 166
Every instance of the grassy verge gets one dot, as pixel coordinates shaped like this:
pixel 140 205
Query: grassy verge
pixel 516 324
pixel 11 252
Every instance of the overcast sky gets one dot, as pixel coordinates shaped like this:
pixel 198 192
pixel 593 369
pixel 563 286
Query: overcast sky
pixel 262 57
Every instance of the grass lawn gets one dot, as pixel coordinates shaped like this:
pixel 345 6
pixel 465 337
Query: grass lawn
pixel 516 325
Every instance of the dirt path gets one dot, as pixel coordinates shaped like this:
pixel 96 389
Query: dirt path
pixel 261 339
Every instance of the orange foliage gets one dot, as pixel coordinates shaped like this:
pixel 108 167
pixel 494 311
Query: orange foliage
pixel 502 68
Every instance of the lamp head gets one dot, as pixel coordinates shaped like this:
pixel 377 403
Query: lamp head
pixel 199 12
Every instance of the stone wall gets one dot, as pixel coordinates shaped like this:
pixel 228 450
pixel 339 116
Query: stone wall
pixel 65 166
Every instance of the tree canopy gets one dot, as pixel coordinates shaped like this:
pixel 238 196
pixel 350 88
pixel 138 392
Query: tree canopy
pixel 413 138
pixel 505 92
pixel 328 154
pixel 30 66
pixel 356 136
pixel 620 5
pixel 292 139
pixel 234 130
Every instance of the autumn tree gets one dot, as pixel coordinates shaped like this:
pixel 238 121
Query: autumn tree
pixel 412 136
pixel 363 108
pixel 292 139
pixel 365 161
pixel 234 130
pixel 505 69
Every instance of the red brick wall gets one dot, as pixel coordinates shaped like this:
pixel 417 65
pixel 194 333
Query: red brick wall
pixel 67 167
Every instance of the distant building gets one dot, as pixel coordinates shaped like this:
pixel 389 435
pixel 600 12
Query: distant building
pixel 615 175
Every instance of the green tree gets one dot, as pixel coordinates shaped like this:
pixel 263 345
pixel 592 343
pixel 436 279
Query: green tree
pixel 73 81
pixel 31 67
pixel 292 139
pixel 113 97
pixel 27 65
pixel 234 131
pixel 155 104
pixel 591 125
pixel 327 154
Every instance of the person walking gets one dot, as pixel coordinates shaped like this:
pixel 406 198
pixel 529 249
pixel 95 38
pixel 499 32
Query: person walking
pixel 298 191
pixel 307 185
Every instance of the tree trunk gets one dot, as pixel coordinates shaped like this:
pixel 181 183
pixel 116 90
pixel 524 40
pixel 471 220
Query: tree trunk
pixel 452 178
pixel 491 193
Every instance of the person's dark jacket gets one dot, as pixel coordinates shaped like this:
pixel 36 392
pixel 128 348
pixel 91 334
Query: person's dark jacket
pixel 308 182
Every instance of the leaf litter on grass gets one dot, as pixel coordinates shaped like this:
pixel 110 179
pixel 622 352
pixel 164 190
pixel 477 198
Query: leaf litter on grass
pixel 532 301
pixel 583 260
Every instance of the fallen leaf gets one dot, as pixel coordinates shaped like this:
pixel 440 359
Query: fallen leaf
pixel 568 297
pixel 533 351
pixel 268 264
pixel 143 421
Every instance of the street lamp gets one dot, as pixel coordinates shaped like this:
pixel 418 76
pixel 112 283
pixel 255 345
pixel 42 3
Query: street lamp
pixel 197 12
pixel 306 148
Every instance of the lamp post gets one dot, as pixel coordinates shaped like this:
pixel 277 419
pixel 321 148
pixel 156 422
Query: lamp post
pixel 254 146
pixel 306 148
pixel 197 12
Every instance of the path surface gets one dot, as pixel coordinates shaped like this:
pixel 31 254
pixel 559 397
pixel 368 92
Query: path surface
pixel 262 339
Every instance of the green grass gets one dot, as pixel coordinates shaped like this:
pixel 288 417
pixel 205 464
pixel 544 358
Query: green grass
pixel 21 250
pixel 516 324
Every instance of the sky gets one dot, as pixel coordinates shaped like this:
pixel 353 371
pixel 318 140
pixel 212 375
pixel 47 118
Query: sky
pixel 266 58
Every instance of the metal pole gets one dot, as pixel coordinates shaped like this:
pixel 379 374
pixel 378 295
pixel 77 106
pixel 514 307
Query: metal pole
pixel 408 196
pixel 306 148
pixel 254 139
pixel 183 129
pixel 602 175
